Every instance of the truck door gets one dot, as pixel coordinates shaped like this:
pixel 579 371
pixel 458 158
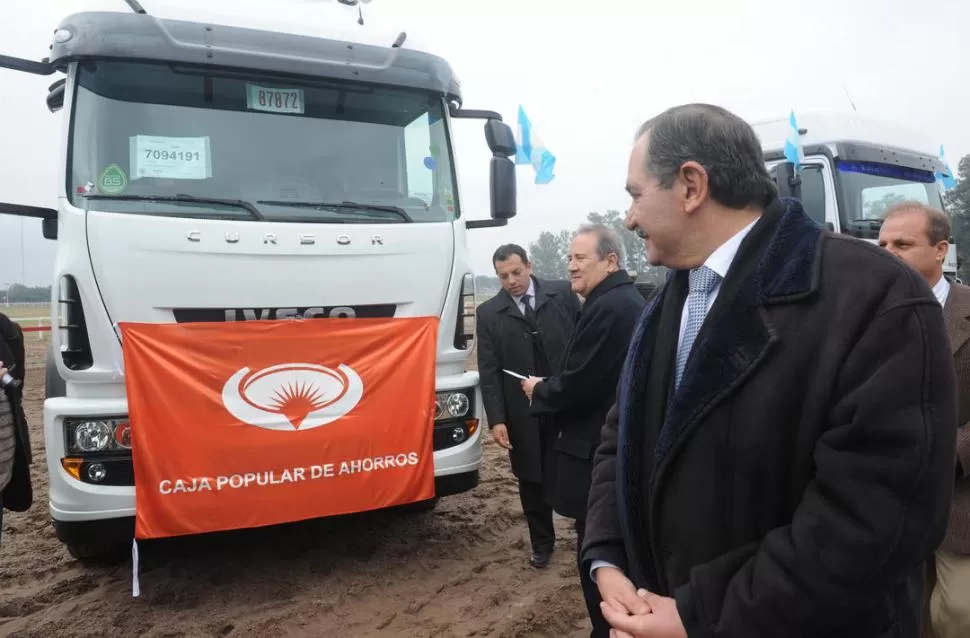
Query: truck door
pixel 817 191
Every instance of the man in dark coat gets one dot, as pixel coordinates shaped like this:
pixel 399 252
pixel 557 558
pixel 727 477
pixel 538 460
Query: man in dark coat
pixel 920 235
pixel 524 329
pixel 577 397
pixel 780 459
pixel 16 492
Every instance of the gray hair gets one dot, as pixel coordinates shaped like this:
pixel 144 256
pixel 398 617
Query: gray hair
pixel 724 144
pixel 607 241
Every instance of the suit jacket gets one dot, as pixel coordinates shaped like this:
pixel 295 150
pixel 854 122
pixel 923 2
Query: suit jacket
pixel 18 495
pixel 505 340
pixel 800 476
pixel 956 312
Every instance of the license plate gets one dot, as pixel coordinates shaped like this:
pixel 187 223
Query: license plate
pixel 274 100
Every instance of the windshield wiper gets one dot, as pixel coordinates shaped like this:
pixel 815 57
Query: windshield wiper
pixel 182 197
pixel 345 205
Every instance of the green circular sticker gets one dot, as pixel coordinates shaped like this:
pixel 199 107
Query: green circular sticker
pixel 112 180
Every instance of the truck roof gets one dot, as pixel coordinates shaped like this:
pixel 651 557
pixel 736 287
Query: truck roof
pixel 295 46
pixel 834 127
pixel 314 18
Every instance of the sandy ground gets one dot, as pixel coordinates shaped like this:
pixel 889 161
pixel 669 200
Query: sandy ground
pixel 460 570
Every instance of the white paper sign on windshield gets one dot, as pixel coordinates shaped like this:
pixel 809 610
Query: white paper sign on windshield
pixel 261 98
pixel 170 157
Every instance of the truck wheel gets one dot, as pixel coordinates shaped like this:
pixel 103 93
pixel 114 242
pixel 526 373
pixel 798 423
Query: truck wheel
pixel 98 551
pixel 53 383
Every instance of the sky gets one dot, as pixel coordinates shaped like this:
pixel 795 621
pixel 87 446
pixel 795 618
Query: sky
pixel 587 74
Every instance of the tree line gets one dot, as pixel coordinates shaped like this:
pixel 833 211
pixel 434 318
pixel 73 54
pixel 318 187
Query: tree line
pixel 549 253
pixel 957 202
pixel 19 293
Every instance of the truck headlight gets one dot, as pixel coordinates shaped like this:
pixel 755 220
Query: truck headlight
pixel 452 404
pixel 97 435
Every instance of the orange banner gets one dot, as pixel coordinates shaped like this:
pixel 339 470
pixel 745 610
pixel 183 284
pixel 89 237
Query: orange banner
pixel 244 424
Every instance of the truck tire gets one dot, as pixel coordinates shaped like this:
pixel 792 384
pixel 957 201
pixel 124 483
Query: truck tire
pixel 53 383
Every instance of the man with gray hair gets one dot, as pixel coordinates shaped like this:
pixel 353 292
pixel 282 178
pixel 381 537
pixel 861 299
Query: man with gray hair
pixel 577 397
pixel 780 458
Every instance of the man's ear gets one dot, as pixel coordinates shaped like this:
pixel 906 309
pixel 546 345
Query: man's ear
pixel 693 179
pixel 941 249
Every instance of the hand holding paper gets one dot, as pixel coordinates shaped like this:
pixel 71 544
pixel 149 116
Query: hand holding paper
pixel 529 384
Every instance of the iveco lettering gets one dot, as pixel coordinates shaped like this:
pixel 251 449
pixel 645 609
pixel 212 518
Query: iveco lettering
pixel 244 170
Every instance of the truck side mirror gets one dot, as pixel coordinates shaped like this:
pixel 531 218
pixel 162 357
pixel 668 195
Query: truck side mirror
pixel 55 96
pixel 48 227
pixel 48 216
pixel 501 142
pixel 502 188
pixel 500 139
pixel 788 182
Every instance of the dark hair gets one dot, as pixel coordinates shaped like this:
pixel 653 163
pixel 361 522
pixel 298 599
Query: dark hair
pixel 724 144
pixel 507 250
pixel 937 222
pixel 607 241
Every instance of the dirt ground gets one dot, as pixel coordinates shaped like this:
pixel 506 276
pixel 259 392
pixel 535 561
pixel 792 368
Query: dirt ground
pixel 460 570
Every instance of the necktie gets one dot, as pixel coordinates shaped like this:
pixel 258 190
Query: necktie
pixel 530 313
pixel 701 282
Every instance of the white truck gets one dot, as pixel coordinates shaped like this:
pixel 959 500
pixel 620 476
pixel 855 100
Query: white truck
pixel 246 169
pixel 854 168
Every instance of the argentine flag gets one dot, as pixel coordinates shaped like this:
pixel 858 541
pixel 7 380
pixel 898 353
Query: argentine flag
pixel 793 143
pixel 531 150
pixel 946 175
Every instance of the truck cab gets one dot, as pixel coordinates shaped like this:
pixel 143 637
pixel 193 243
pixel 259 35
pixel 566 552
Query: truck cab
pixel 855 168
pixel 239 169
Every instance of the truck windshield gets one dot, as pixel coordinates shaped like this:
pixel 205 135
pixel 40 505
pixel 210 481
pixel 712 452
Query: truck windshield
pixel 158 139
pixel 868 189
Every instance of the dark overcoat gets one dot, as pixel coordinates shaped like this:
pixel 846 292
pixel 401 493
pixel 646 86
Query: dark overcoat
pixel 505 340
pixel 18 495
pixel 801 474
pixel 575 399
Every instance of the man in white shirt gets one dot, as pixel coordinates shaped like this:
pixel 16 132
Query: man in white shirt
pixel 771 467
pixel 524 329
pixel 919 235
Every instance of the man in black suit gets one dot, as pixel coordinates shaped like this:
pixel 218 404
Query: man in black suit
pixel 524 328
pixel 16 493
pixel 780 461
pixel 576 398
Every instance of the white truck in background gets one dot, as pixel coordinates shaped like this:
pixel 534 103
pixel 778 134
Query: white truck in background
pixel 854 168
pixel 244 169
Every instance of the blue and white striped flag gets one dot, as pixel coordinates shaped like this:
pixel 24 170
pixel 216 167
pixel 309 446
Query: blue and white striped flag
pixel 946 175
pixel 793 143
pixel 531 150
